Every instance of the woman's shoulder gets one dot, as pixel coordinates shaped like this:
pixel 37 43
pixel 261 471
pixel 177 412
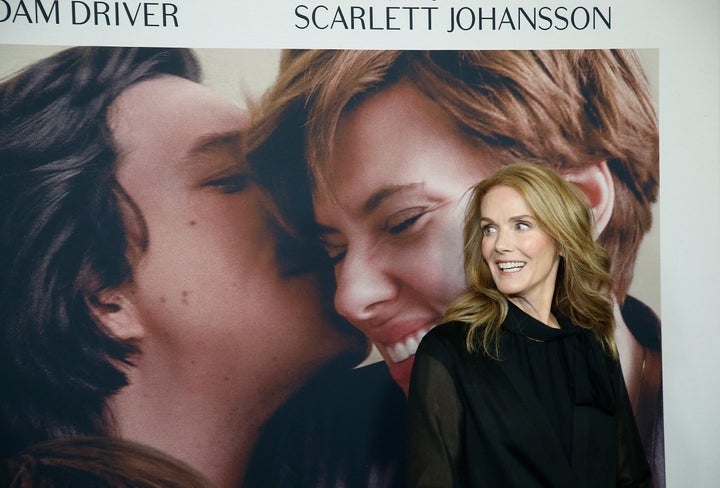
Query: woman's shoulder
pixel 449 331
pixel 445 337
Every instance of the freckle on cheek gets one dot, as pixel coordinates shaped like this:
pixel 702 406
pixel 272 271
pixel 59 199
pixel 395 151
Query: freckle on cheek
pixel 192 222
pixel 163 299
pixel 185 295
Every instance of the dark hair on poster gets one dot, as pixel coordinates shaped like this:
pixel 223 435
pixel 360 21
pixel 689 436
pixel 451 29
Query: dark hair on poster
pixel 63 238
pixel 105 462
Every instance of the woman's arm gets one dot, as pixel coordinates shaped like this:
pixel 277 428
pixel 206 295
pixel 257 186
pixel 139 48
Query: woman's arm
pixel 435 417
pixel 632 467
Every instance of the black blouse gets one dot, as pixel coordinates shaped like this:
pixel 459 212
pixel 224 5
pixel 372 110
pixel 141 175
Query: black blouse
pixel 553 411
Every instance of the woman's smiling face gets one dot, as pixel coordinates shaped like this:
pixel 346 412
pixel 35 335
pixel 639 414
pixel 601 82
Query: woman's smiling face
pixel 392 219
pixel 523 259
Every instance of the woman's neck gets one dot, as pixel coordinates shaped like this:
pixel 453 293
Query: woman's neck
pixel 539 310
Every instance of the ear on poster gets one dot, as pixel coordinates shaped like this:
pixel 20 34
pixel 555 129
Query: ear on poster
pixel 597 184
pixel 114 310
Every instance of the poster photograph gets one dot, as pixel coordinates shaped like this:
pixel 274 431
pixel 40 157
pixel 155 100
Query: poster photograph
pixel 241 244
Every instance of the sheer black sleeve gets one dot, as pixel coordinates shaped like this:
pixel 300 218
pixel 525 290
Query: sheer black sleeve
pixel 434 424
pixel 633 468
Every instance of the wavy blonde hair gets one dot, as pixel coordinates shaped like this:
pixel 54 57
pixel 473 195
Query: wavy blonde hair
pixel 583 281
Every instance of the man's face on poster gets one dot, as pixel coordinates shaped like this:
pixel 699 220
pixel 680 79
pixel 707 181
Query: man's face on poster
pixel 206 292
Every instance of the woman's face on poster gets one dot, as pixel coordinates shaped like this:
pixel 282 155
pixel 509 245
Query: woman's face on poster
pixel 392 219
pixel 207 293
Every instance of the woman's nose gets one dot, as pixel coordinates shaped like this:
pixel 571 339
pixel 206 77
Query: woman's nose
pixel 503 241
pixel 363 284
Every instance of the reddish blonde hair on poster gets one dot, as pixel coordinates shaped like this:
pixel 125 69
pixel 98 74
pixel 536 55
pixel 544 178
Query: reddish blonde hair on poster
pixel 562 109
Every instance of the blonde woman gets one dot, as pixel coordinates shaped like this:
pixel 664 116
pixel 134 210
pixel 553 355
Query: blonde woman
pixel 521 385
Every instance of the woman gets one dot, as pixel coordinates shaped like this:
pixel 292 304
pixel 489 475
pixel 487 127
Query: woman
pixel 140 294
pixel 521 385
pixel 394 139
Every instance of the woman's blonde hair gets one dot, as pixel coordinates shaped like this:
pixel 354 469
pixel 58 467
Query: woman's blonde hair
pixel 583 282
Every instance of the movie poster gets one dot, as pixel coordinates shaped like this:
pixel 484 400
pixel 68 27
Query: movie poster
pixel 226 239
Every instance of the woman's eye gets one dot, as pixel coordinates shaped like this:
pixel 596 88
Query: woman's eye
pixel 488 229
pixel 229 184
pixel 402 221
pixel 522 225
